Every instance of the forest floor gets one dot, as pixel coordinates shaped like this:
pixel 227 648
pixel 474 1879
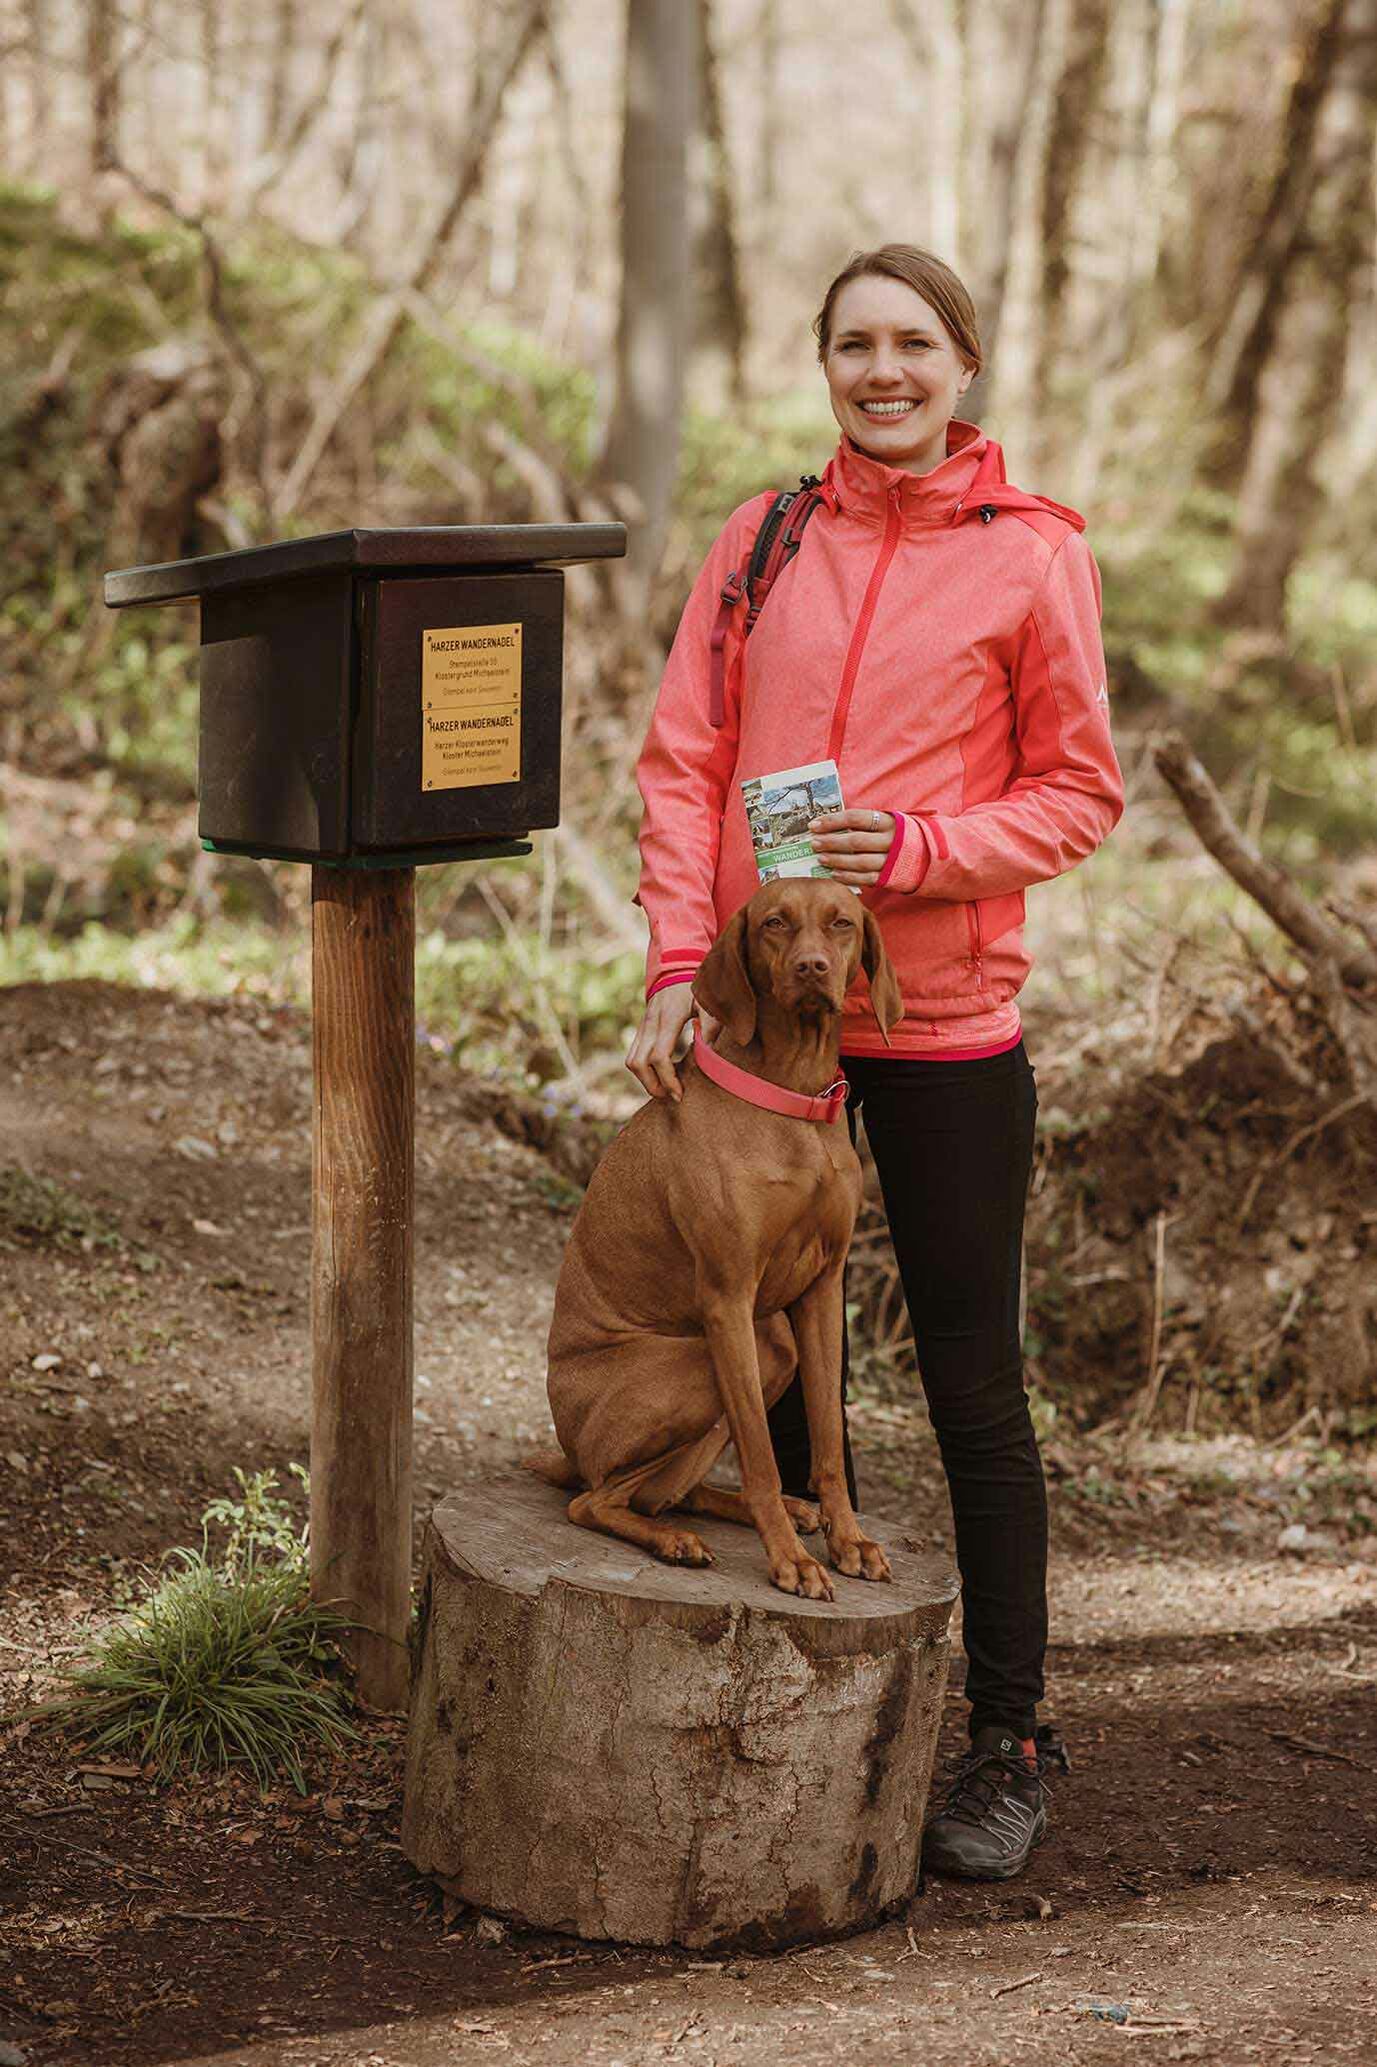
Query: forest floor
pixel 1210 1879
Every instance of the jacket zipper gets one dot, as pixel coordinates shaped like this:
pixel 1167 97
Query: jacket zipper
pixel 860 634
pixel 977 933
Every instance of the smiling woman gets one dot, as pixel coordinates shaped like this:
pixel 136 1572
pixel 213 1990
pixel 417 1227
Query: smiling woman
pixel 936 636
pixel 899 351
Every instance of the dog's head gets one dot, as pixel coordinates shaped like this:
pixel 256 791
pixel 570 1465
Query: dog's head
pixel 800 941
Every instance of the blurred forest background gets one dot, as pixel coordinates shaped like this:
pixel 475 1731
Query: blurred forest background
pixel 270 268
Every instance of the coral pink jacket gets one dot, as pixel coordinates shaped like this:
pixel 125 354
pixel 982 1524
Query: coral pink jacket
pixel 937 636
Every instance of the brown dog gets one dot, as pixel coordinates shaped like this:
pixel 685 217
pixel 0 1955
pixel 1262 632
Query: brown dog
pixel 705 1264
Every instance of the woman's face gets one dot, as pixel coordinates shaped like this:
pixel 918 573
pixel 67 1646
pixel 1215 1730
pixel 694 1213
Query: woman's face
pixel 894 374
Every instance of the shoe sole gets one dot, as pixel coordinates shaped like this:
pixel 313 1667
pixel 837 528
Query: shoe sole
pixel 936 1862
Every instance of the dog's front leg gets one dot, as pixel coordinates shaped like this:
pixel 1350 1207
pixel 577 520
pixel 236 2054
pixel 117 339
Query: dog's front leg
pixel 816 1319
pixel 728 1323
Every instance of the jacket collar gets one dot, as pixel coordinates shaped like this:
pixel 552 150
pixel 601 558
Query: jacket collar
pixel 862 486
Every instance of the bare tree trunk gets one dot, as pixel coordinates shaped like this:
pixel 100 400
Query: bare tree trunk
pixel 641 451
pixel 1245 341
pixel 1076 101
pixel 935 43
pixel 103 77
pixel 214 164
pixel 769 113
pixel 1299 389
pixel 1168 71
pixel 1110 303
pixel 285 38
pixel 1019 39
pixel 38 27
pixel 720 315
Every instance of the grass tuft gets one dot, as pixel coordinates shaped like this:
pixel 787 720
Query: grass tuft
pixel 226 1661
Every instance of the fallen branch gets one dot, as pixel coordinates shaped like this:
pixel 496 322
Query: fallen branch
pixel 1294 1743
pixel 1340 972
pixel 1278 896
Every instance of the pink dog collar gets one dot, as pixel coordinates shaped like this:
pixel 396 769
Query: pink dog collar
pixel 771 1097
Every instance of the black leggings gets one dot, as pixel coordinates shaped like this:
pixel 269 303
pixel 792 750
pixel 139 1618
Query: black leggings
pixel 953 1145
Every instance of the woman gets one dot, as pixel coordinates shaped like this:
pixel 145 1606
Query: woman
pixel 937 636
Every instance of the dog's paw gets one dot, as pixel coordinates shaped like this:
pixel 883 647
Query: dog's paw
pixel 804 1514
pixel 860 1559
pixel 802 1575
pixel 682 1547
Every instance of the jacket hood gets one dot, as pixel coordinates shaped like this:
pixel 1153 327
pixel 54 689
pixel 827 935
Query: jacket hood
pixel 970 478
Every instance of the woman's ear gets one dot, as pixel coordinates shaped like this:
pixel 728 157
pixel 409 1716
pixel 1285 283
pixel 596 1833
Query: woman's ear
pixel 886 999
pixel 723 984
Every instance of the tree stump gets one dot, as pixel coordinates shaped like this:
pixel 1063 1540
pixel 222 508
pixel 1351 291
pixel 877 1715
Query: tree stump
pixel 609 1746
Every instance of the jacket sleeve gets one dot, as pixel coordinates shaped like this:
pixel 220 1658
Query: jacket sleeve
pixel 1067 794
pixel 685 767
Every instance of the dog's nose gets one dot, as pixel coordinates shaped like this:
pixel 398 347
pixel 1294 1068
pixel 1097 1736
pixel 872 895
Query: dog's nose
pixel 807 965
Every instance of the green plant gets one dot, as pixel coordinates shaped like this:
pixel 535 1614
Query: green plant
pixel 224 1661
pixel 259 1521
pixel 40 1211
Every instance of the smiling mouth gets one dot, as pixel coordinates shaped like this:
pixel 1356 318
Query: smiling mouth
pixel 879 411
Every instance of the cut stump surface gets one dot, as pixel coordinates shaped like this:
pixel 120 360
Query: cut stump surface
pixel 617 1748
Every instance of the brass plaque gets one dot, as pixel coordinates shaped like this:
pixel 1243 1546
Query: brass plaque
pixel 471 706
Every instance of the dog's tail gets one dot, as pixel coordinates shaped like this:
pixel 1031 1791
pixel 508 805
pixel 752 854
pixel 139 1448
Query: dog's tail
pixel 554 1467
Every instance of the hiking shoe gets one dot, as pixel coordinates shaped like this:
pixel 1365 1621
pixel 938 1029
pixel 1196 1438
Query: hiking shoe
pixel 994 1813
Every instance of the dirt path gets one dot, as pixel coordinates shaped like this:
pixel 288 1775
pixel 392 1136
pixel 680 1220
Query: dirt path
pixel 1212 1868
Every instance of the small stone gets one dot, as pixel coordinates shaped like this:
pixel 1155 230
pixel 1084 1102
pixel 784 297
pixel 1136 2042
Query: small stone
pixel 16 1460
pixel 490 1930
pixel 95 1371
pixel 47 1362
pixel 192 1146
pixel 1295 1537
pixel 208 1227
pixel 11 2055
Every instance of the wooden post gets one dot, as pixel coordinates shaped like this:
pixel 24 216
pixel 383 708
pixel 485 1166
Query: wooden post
pixel 363 928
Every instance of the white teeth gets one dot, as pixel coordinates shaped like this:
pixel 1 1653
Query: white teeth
pixel 888 408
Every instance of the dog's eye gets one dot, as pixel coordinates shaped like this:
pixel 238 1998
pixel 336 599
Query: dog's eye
pixel 847 925
pixel 776 919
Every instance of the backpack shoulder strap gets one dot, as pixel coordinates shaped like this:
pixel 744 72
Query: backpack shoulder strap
pixel 778 539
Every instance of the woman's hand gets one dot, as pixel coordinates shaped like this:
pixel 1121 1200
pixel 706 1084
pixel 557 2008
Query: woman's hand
pixel 651 1060
pixel 852 845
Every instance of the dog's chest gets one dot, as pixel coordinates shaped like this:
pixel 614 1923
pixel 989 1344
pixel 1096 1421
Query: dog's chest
pixel 814 1233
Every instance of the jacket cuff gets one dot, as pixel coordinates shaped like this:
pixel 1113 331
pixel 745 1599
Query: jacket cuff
pixel 670 976
pixel 910 855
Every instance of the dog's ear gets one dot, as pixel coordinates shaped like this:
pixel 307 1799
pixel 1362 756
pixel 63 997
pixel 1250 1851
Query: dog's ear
pixel 885 998
pixel 723 984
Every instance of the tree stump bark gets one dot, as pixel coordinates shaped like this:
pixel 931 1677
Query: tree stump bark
pixel 616 1748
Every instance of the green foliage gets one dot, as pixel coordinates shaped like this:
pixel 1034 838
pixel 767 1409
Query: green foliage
pixel 724 460
pixel 38 1210
pixel 147 690
pixel 510 1002
pixel 491 373
pixel 224 1661
pixel 259 1522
